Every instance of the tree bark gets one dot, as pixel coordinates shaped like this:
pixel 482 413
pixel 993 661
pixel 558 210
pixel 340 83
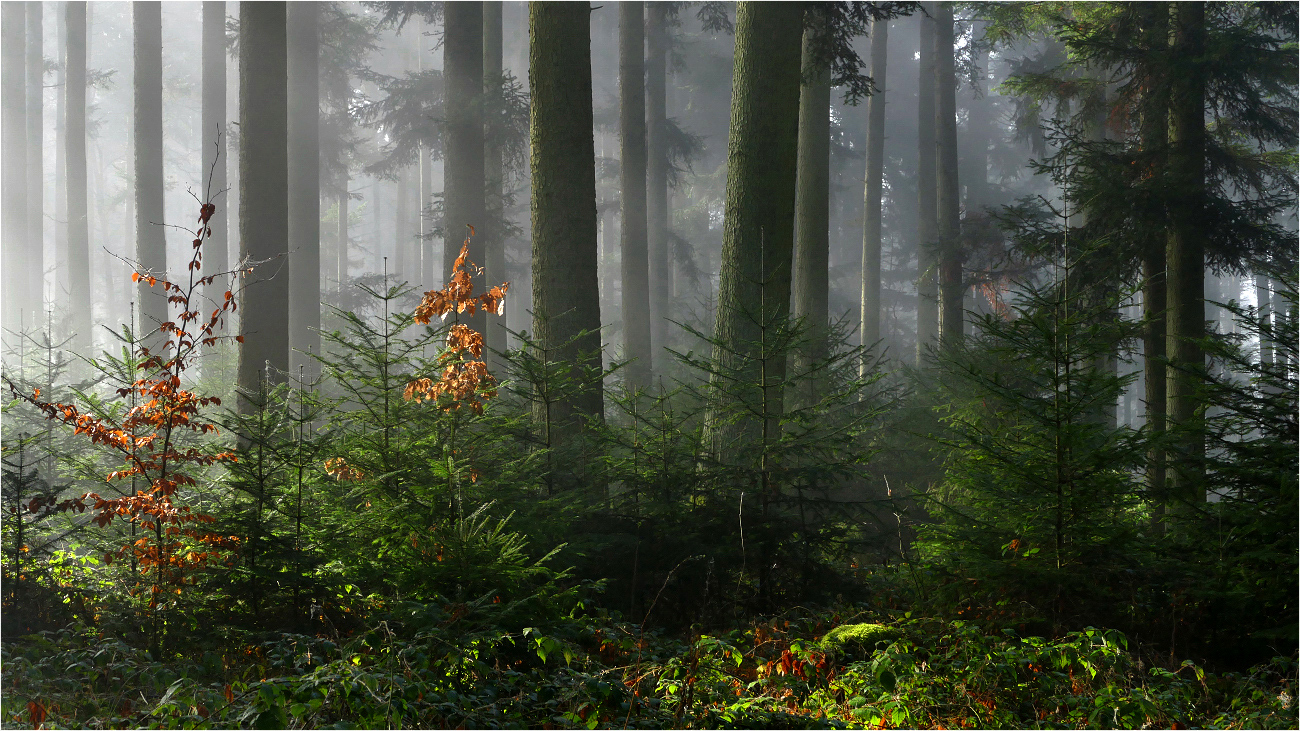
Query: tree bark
pixel 1186 254
pixel 566 295
pixel 216 150
pixel 263 197
pixel 632 171
pixel 35 281
pixel 464 187
pixel 811 282
pixel 948 193
pixel 303 118
pixel 927 225
pixel 150 234
pixel 758 235
pixel 1154 135
pixel 657 248
pixel 871 225
pixel 61 286
pixel 423 268
pixel 13 148
pixel 75 176
pixel 494 240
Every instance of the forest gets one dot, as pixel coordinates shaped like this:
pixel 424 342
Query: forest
pixel 649 365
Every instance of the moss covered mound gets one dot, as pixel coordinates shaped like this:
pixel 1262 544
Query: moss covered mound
pixel 857 641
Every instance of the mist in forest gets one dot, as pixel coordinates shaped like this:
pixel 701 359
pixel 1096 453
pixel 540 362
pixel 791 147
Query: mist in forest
pixel 382 98
pixel 652 326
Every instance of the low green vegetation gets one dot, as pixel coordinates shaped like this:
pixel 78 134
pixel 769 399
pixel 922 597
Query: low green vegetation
pixel 408 543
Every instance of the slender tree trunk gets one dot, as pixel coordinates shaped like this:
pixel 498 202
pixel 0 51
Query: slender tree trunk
pixel 812 242
pixel 632 154
pixel 566 295
pixel 660 260
pixel 494 240
pixel 871 226
pixel 403 215
pixel 1154 134
pixel 61 286
pixel 341 233
pixel 948 193
pixel 927 225
pixel 150 234
pixel 1186 253
pixel 758 235
pixel 263 196
pixel 430 269
pixel 1264 311
pixel 13 159
pixel 464 186
pixel 215 152
pixel 75 177
pixel 35 162
pixel 303 119
pixel 417 260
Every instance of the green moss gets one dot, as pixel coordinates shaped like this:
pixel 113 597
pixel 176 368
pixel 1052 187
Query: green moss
pixel 858 640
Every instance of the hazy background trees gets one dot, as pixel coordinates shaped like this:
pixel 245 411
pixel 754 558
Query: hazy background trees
pixel 705 203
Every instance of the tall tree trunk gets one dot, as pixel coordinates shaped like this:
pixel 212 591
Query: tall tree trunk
pixel 494 240
pixel 812 241
pixel 927 225
pixel 403 215
pixel 871 225
pixel 263 196
pixel 1186 253
pixel 61 286
pixel 632 173
pixel 35 163
pixel 75 177
pixel 757 234
pixel 430 274
pixel 1154 135
pixel 215 151
pixel 341 234
pixel 422 263
pixel 657 248
pixel 150 234
pixel 303 64
pixel 566 295
pixel 948 193
pixel 342 256
pixel 464 187
pixel 13 158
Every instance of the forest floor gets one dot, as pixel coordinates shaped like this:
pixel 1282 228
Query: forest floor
pixel 559 661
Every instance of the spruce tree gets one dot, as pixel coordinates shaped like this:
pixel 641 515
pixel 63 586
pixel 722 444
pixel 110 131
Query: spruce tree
pixel 657 168
pixel 463 150
pixel 34 281
pixel 150 234
pixel 303 119
pixel 566 294
pixel 927 233
pixel 263 198
pixel 215 150
pixel 757 239
pixel 632 170
pixel 75 176
pixel 1185 279
pixel 494 234
pixel 948 191
pixel 811 280
pixel 873 188
pixel 14 150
